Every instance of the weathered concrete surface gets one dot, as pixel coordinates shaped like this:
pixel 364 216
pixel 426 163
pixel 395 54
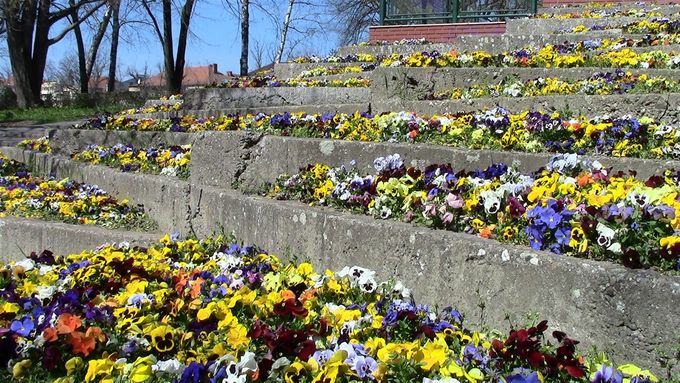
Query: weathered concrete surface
pixel 545 26
pixel 208 99
pixel 247 159
pixel 165 199
pixel 19 237
pixel 416 83
pixel 222 159
pixel 601 304
pixel 662 107
pixel 489 43
pixel 66 141
pixel 12 135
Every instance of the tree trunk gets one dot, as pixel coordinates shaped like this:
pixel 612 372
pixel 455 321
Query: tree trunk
pixel 245 24
pixel 28 40
pixel 113 53
pixel 82 65
pixel 96 43
pixel 176 86
pixel 284 31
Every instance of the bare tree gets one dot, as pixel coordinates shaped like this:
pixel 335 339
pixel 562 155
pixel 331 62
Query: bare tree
pixel 245 35
pixel 262 53
pixel 174 65
pixel 354 17
pixel 86 63
pixel 66 73
pixel 28 24
pixel 115 38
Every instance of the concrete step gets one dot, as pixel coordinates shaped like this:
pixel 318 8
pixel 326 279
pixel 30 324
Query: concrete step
pixel 227 99
pixel 20 236
pixel 547 26
pixel 664 108
pixel 489 43
pixel 452 266
pixel 417 83
pixel 665 9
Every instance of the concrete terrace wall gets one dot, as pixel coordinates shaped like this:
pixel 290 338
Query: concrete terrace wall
pixel 19 237
pixel 489 43
pixel 222 159
pixel 600 303
pixel 548 26
pixel 433 32
pixel 662 107
pixel 211 99
pixel 414 83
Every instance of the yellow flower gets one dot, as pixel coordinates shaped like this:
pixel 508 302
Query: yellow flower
pixel 433 355
pixel 21 369
pixel 141 369
pixel 99 370
pixel 73 365
pixel 162 338
pixel 237 337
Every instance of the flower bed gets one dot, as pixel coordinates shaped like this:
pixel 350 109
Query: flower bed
pixel 173 161
pixel 600 14
pixel 572 206
pixel 491 129
pixel 212 312
pixel 656 25
pixel 23 195
pixel 600 83
pixel 41 144
pixel 272 82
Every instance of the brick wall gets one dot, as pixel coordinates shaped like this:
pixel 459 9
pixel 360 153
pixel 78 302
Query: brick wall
pixel 438 33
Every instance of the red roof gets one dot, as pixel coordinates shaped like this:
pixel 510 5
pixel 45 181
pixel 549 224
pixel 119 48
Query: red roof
pixel 193 76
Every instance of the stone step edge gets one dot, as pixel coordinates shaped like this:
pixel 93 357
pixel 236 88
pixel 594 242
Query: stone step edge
pixel 225 158
pixel 21 236
pixel 611 302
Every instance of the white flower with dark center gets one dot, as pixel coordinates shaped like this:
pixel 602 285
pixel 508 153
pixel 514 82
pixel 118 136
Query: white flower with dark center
pixel 491 201
pixel 606 238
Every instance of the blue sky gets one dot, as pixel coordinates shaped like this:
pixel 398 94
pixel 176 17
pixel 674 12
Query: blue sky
pixel 217 40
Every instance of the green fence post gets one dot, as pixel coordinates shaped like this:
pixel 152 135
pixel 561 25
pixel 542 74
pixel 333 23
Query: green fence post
pixel 383 11
pixel 453 6
pixel 534 7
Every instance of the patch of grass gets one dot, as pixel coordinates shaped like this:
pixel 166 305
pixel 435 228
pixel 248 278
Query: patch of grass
pixel 44 115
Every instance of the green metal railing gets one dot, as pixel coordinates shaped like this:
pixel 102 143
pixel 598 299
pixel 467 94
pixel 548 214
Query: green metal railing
pixel 395 12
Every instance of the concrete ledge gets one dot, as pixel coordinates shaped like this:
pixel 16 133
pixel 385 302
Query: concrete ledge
pixel 489 43
pixel 415 83
pixel 67 141
pixel 662 107
pixel 667 9
pixel 19 237
pixel 541 26
pixel 247 159
pixel 600 303
pixel 164 198
pixel 208 99
pixel 236 158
